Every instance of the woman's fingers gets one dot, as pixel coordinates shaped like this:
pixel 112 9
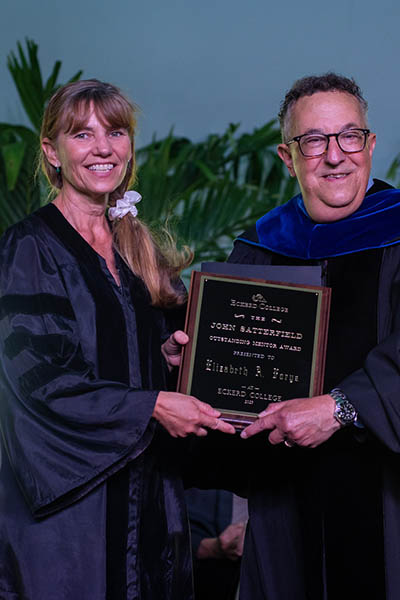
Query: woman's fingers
pixel 171 348
pixel 214 422
pixel 219 424
pixel 182 415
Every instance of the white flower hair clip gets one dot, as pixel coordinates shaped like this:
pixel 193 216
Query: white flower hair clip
pixel 125 205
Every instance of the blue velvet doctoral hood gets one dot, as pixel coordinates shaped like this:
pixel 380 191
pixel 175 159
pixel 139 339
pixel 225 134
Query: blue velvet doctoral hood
pixel 288 229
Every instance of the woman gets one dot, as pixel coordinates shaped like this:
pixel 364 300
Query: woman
pixel 91 504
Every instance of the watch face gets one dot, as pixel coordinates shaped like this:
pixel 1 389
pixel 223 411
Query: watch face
pixel 345 412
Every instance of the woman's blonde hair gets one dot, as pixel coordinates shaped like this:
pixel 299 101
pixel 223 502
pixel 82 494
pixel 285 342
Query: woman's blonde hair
pixel 157 264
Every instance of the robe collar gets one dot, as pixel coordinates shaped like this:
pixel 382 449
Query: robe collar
pixel 288 229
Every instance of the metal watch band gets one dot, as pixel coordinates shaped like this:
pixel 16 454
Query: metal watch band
pixel 344 413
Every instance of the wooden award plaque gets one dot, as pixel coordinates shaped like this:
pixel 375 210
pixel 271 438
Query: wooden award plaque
pixel 253 342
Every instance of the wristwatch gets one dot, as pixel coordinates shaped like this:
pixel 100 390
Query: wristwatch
pixel 344 412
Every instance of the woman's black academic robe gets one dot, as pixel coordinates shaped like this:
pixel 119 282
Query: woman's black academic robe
pixel 90 504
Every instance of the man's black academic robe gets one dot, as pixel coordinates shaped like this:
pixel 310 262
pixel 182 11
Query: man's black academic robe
pixel 325 523
pixel 90 504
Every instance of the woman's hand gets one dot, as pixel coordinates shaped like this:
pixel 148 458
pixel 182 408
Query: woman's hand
pixel 181 415
pixel 172 348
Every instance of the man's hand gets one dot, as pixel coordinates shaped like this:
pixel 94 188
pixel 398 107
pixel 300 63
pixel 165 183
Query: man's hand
pixel 182 415
pixel 302 421
pixel 229 544
pixel 172 348
pixel 231 540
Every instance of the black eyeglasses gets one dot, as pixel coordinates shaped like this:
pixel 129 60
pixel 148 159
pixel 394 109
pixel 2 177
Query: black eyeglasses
pixel 316 144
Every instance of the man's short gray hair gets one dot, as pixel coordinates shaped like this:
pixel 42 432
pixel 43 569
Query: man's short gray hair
pixel 307 86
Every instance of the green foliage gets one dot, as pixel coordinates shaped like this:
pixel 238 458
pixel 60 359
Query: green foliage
pixel 208 192
pixel 205 193
pixel 20 191
pixel 393 171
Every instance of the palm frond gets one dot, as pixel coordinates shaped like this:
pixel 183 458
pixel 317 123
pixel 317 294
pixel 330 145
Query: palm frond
pixel 25 70
pixel 20 191
pixel 208 192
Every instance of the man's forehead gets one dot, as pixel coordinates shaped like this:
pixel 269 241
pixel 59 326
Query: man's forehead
pixel 327 109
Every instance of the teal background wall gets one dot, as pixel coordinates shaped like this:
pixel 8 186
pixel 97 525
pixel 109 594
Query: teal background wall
pixel 199 64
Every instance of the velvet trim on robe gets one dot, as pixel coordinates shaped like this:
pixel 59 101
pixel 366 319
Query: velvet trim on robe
pixel 288 230
pixel 52 415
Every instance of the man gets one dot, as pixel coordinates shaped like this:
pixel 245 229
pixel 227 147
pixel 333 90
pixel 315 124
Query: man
pixel 217 521
pixel 325 522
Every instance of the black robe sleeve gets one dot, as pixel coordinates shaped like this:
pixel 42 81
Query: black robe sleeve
pixel 375 388
pixel 375 391
pixel 65 429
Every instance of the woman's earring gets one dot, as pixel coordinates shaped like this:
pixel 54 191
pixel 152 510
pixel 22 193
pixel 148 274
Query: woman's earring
pixel 58 170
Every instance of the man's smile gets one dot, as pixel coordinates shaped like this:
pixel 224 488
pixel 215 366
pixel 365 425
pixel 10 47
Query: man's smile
pixel 336 175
